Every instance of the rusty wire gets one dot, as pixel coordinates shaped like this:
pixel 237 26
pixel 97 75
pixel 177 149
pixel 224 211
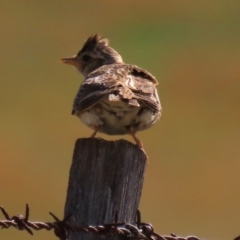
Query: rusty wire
pixel 139 230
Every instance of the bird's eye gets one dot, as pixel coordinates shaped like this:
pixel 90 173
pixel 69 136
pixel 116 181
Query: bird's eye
pixel 85 58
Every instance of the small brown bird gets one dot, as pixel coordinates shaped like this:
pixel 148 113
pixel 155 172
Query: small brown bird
pixel 115 98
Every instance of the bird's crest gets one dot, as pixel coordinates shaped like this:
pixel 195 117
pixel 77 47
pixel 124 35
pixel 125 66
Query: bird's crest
pixel 93 42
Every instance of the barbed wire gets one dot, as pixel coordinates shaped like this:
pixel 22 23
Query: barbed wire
pixel 138 230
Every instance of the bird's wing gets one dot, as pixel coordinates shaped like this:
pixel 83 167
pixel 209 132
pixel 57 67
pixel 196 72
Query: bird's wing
pixel 120 82
pixel 143 85
pixel 94 88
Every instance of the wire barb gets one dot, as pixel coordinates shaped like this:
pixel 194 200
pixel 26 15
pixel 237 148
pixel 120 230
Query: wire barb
pixel 136 230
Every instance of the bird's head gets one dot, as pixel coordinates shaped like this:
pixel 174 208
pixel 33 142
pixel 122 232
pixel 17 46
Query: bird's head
pixel 94 54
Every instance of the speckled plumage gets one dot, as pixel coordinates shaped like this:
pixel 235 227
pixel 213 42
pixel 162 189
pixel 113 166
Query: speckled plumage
pixel 115 98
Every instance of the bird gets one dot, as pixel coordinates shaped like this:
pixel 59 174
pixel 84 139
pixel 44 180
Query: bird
pixel 114 98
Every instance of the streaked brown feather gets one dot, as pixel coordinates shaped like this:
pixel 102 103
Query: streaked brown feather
pixel 126 82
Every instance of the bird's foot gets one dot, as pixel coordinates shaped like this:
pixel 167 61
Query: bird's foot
pixel 138 142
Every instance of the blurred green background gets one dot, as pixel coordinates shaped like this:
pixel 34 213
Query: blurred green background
pixel 192 184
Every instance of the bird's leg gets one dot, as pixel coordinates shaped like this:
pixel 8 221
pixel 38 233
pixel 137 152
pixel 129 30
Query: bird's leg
pixel 96 128
pixel 138 142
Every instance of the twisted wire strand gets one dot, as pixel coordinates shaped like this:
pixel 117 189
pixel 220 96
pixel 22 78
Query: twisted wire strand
pixel 139 231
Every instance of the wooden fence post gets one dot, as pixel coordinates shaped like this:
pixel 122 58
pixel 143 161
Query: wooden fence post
pixel 105 177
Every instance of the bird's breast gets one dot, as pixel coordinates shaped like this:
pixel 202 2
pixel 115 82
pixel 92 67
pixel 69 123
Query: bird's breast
pixel 118 117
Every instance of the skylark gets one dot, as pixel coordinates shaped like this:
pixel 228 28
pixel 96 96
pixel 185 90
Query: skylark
pixel 115 98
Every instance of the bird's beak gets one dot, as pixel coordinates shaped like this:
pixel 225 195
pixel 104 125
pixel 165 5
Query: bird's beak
pixel 70 60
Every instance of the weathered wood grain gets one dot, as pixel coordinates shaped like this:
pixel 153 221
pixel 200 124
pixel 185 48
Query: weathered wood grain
pixel 105 177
